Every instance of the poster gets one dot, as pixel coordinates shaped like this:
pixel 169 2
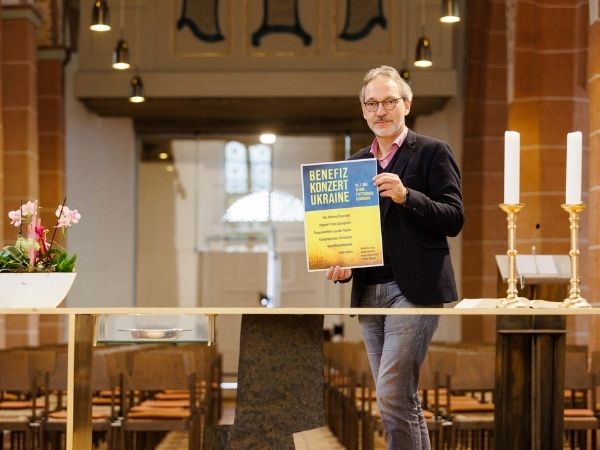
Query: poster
pixel 341 214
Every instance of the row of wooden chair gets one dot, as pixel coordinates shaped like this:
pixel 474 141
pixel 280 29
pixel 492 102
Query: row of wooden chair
pixel 21 404
pixel 457 393
pixel 140 394
pixel 184 395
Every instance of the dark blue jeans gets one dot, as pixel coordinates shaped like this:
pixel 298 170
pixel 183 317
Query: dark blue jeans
pixel 396 346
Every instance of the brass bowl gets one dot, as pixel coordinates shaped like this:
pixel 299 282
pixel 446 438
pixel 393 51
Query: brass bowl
pixel 155 333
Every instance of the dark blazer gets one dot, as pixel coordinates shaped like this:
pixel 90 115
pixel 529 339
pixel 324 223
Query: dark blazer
pixel 414 234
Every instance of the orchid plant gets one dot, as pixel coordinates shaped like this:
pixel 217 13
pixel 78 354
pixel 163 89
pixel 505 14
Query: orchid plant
pixel 33 251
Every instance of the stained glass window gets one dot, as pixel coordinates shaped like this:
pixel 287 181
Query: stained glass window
pixel 236 168
pixel 260 167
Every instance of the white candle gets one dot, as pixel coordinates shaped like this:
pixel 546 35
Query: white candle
pixel 511 167
pixel 573 196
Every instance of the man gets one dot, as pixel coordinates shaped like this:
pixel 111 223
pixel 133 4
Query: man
pixel 420 205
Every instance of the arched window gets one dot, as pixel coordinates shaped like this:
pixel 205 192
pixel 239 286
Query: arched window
pixel 265 206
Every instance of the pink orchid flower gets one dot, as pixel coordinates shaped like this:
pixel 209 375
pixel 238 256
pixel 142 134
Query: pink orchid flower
pixel 68 217
pixel 22 214
pixel 15 218
pixel 29 208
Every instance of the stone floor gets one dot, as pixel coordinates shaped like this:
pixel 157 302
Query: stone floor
pixel 319 439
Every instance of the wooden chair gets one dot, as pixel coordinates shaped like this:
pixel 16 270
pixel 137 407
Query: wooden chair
pixel 595 370
pixel 207 365
pixel 145 419
pixel 435 368
pixel 354 395
pixel 368 415
pixel 336 381
pixel 470 404
pixel 217 370
pixel 347 395
pixel 441 360
pixel 580 415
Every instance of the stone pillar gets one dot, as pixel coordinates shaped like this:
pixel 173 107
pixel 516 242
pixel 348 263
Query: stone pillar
pixel 486 116
pixel 280 381
pixel 593 211
pixel 550 100
pixel 20 123
pixel 51 144
pixel 51 132
pixel 19 74
pixel 526 72
pixel 2 317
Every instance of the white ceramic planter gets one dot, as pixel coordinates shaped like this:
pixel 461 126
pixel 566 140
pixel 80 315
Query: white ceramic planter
pixel 34 290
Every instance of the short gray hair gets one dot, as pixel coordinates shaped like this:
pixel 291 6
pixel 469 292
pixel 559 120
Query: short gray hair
pixel 392 74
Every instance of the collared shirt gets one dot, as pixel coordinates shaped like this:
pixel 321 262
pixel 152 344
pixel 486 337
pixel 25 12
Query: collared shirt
pixel 383 162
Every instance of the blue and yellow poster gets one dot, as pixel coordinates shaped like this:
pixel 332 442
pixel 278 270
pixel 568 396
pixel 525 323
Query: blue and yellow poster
pixel 341 214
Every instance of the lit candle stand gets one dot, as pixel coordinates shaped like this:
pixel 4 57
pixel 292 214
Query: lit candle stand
pixel 512 299
pixel 574 300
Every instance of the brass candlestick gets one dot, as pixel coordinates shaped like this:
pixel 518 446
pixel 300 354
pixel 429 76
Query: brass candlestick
pixel 574 300
pixel 512 299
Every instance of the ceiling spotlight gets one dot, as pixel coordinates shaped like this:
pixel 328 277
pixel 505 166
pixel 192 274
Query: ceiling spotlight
pixel 120 56
pixel 268 138
pixel 163 155
pixel 136 87
pixel 100 16
pixel 423 54
pixel 450 11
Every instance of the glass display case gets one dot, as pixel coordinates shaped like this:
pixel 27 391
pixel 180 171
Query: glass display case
pixel 152 328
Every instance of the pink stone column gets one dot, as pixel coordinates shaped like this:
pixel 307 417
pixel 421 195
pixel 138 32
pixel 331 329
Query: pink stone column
pixel 486 116
pixel 593 211
pixel 51 143
pixel 20 137
pixel 550 100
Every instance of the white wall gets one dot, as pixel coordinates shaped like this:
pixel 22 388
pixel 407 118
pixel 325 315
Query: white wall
pixel 168 268
pixel 100 174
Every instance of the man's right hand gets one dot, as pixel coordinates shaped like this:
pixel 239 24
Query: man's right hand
pixel 337 273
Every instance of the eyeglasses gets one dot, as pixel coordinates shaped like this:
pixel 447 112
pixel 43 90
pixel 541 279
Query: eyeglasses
pixel 388 104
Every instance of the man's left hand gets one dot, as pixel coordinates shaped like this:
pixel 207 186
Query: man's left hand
pixel 389 185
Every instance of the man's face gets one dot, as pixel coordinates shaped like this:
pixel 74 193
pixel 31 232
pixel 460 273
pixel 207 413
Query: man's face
pixel 384 123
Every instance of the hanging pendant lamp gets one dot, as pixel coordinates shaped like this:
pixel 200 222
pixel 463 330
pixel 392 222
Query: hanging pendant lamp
pixel 120 56
pixel 136 90
pixel 100 16
pixel 405 74
pixel 423 53
pixel 450 11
